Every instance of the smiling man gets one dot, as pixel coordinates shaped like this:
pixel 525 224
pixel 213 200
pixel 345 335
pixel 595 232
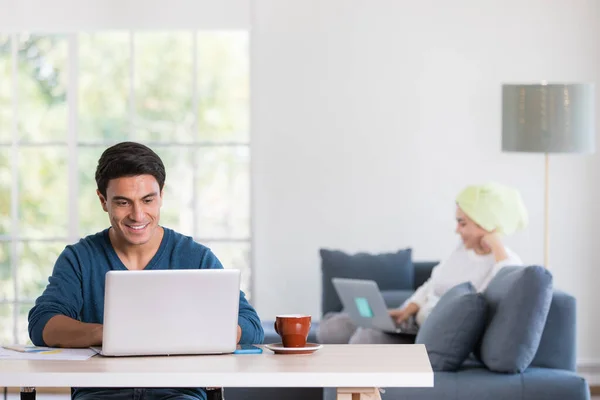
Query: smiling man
pixel 130 179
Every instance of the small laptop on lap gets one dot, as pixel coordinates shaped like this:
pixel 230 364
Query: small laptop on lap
pixel 169 312
pixel 365 305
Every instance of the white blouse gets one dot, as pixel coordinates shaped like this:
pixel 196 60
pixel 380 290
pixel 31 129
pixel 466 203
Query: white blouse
pixel 463 265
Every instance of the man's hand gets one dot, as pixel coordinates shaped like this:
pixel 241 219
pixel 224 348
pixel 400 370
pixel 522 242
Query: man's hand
pixel 492 242
pixel 97 335
pixel 239 334
pixel 402 314
pixel 62 331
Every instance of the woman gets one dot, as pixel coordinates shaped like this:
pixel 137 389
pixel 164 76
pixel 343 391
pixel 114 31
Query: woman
pixel 484 214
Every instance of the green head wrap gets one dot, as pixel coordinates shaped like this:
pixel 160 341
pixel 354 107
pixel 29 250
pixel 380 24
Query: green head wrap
pixel 494 207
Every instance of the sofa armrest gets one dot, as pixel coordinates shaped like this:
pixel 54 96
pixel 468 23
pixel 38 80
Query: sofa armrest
pixel 422 272
pixel 557 347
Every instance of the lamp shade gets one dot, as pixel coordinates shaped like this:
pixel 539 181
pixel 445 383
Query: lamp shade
pixel 552 118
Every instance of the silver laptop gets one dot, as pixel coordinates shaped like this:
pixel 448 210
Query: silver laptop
pixel 363 301
pixel 168 312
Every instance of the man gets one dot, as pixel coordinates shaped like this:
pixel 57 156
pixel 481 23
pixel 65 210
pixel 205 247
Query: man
pixel 69 313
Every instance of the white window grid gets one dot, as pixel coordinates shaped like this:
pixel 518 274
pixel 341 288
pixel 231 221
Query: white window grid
pixel 73 145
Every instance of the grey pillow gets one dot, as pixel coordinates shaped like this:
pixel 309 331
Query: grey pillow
pixel 454 327
pixel 519 299
pixel 391 271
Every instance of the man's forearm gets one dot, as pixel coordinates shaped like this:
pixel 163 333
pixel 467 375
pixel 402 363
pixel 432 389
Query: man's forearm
pixel 62 331
pixel 251 331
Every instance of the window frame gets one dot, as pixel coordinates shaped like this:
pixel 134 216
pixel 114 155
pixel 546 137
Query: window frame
pixel 73 145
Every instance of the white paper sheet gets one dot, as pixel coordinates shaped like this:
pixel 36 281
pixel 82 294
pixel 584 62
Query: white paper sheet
pixel 44 353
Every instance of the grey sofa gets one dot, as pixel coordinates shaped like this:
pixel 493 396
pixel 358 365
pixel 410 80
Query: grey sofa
pixel 552 374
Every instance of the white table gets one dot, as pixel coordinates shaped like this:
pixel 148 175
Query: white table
pixel 353 369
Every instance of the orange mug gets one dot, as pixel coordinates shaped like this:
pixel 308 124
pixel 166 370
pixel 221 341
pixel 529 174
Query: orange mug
pixel 293 329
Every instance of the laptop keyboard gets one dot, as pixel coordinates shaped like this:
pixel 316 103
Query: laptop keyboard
pixel 408 326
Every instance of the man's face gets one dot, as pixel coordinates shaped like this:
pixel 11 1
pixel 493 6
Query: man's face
pixel 133 206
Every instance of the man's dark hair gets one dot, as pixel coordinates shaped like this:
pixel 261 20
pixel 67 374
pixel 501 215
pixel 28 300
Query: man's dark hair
pixel 128 159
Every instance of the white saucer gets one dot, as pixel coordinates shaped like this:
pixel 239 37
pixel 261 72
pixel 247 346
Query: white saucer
pixel 278 348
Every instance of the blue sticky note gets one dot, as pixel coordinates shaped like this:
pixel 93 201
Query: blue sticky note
pixel 247 349
pixel 364 309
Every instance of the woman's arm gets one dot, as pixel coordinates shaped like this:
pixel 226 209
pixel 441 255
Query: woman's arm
pixel 417 300
pixel 501 256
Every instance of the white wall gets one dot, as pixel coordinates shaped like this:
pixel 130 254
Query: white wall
pixel 73 15
pixel 369 117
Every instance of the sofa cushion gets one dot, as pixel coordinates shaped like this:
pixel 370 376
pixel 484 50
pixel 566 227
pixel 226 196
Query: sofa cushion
pixel 481 383
pixel 454 327
pixel 518 299
pixel 423 271
pixel 389 270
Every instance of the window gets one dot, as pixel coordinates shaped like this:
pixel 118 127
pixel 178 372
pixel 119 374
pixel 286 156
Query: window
pixel 65 97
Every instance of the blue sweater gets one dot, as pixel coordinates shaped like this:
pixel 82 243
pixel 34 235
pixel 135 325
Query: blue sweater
pixel 76 287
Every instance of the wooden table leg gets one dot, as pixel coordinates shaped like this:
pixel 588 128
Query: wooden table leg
pixel 358 394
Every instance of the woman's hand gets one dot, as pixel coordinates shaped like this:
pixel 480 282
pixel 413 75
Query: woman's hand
pixel 404 313
pixel 492 242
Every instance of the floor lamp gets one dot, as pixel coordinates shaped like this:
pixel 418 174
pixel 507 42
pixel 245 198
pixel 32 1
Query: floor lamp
pixel 548 118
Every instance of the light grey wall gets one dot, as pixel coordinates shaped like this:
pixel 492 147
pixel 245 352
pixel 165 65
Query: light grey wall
pixel 369 117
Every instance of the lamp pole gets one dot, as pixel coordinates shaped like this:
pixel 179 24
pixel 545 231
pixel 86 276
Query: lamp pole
pixel 546 208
